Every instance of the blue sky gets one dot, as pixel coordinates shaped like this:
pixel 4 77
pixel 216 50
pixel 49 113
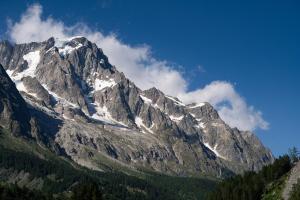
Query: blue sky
pixel 253 45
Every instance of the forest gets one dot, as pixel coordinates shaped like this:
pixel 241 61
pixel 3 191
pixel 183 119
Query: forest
pixel 259 185
pixel 73 184
pixel 62 181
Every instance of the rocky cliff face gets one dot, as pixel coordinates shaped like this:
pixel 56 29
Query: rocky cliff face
pixel 14 115
pixel 104 115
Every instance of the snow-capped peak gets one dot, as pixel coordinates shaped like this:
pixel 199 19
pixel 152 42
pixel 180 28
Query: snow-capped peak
pixel 64 47
pixel 197 105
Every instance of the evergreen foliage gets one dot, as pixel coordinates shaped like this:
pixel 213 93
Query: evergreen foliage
pixel 63 181
pixel 251 185
pixel 13 192
pixel 294 154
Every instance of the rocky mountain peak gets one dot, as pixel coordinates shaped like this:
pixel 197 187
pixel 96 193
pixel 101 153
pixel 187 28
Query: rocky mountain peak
pixel 104 112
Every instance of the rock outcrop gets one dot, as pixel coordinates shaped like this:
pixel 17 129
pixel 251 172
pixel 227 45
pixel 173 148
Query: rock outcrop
pixel 14 115
pixel 294 176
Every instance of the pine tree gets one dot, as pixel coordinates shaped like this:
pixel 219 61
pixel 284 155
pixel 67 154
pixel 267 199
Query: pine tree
pixel 294 154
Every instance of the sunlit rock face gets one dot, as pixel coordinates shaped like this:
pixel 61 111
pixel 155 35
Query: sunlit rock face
pixel 105 115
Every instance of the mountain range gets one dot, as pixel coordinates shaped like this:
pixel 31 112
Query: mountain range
pixel 65 96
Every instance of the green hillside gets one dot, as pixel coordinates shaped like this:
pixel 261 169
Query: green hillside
pixel 267 184
pixel 37 173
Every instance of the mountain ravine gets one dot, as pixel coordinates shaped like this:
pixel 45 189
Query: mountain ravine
pixel 80 106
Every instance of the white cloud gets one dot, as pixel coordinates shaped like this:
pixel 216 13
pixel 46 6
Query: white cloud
pixel 140 66
pixel 231 106
pixel 32 28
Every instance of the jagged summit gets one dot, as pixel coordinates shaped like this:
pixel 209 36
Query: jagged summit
pixel 105 114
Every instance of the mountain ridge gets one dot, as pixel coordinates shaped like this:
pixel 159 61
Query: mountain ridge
pixel 72 81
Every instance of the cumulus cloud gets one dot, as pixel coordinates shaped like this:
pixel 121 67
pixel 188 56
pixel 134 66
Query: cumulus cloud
pixel 32 28
pixel 139 65
pixel 230 105
pixel 136 62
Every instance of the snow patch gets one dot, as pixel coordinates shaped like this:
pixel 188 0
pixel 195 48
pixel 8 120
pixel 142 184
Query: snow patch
pixel 198 105
pixel 102 114
pixel 173 118
pixel 101 84
pixel 20 86
pixel 64 49
pixel 67 49
pixel 216 124
pixel 176 101
pixel 200 125
pixel 193 115
pixel 214 149
pixel 140 124
pixel 139 121
pixel 157 106
pixel 59 99
pixel 33 59
pixel 60 42
pixel 146 100
pixel 9 72
pixel 149 101
pixel 75 37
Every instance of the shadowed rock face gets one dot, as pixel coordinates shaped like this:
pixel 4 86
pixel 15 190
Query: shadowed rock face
pixel 14 115
pixel 105 115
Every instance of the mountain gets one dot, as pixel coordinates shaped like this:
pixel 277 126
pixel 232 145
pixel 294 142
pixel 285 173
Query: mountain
pixel 80 106
pixel 30 170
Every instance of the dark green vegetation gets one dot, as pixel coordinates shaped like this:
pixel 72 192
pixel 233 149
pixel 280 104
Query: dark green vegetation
pixel 29 171
pixel 254 186
pixel 274 189
pixel 10 192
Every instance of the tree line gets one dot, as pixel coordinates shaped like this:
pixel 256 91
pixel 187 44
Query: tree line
pixel 251 185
